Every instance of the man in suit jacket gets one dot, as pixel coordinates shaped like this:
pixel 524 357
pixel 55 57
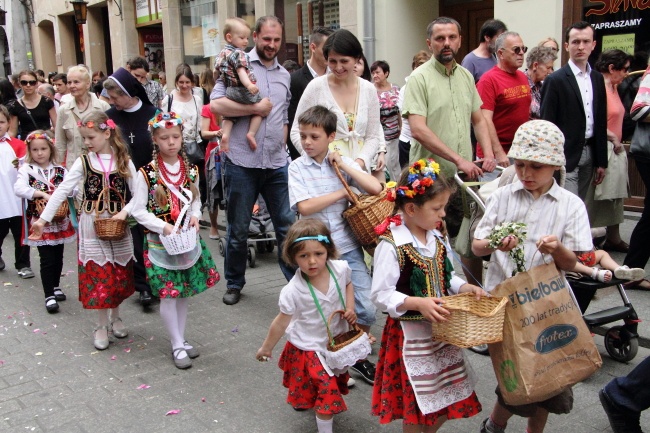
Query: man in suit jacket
pixel 314 67
pixel 574 98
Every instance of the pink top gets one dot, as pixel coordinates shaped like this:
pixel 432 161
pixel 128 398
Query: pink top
pixel 615 113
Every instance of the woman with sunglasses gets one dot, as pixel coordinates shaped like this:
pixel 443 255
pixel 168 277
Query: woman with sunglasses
pixel 31 111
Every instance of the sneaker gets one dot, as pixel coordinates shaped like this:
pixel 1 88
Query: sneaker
pixel 493 429
pixel 621 421
pixel 25 273
pixel 59 295
pixel 2 264
pixel 366 370
pixel 232 296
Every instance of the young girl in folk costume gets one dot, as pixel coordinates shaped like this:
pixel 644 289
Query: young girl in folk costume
pixel 321 286
pixel 105 267
pixel 37 179
pixel 166 190
pixel 421 381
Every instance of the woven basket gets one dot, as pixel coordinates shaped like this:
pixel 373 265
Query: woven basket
pixel 365 213
pixel 338 342
pixel 61 212
pixel 472 322
pixel 183 240
pixel 109 229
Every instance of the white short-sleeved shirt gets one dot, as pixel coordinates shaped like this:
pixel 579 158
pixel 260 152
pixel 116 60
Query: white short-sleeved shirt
pixel 557 212
pixel 307 330
pixel 309 179
pixel 386 270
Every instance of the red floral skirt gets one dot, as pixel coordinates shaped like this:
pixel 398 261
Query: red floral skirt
pixel 392 395
pixel 105 286
pixel 309 384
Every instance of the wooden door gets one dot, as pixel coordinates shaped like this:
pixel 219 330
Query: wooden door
pixel 470 16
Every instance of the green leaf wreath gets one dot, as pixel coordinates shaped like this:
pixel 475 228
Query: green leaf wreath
pixel 518 230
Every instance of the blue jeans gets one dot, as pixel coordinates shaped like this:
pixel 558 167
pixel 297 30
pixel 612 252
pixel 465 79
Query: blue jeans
pixel 243 187
pixel 361 282
pixel 632 392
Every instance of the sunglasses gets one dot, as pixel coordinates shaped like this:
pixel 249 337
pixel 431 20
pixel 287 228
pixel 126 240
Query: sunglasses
pixel 519 50
pixel 30 82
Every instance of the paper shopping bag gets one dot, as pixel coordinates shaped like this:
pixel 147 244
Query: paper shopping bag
pixel 546 344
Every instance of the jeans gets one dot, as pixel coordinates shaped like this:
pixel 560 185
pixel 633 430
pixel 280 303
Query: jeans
pixel 51 267
pixel 243 187
pixel 21 251
pixel 361 282
pixel 577 181
pixel 404 149
pixel 639 252
pixel 632 392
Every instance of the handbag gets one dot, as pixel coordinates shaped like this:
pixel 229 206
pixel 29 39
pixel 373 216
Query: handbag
pixel 347 348
pixel 546 345
pixel 640 147
pixel 195 154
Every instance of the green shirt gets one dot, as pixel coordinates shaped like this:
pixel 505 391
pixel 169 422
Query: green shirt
pixel 447 101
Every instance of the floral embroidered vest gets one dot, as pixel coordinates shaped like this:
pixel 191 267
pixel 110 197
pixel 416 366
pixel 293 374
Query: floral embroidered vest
pixel 93 186
pixel 152 178
pixel 420 275
pixel 39 185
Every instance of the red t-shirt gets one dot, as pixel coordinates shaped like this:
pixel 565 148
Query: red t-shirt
pixel 508 97
pixel 18 146
pixel 207 113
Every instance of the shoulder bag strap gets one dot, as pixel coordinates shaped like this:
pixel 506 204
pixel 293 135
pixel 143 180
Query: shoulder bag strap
pixel 29 113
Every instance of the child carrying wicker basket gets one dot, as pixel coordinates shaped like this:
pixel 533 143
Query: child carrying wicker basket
pixel 321 286
pixel 176 260
pixel 413 274
pixel 105 266
pixel 37 179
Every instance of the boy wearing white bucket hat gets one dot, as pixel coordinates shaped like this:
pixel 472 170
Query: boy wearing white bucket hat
pixel 557 224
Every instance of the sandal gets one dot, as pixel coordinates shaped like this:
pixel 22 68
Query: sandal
pixel 620 246
pixel 181 363
pixel 602 275
pixel 626 273
pixel 372 338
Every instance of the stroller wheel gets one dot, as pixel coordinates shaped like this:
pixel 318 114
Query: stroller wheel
pixel 222 247
pixel 481 349
pixel 619 346
pixel 251 256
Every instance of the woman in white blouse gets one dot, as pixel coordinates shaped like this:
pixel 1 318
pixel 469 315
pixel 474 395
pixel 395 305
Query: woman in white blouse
pixel 187 105
pixel 359 134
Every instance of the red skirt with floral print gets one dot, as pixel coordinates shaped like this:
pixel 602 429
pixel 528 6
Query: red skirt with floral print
pixel 392 395
pixel 309 384
pixel 105 286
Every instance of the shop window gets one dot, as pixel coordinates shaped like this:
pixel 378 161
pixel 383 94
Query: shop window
pixel 201 34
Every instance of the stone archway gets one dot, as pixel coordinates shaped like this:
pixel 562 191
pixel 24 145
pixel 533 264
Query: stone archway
pixel 44 46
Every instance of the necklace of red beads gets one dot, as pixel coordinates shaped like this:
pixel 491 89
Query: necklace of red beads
pixel 166 174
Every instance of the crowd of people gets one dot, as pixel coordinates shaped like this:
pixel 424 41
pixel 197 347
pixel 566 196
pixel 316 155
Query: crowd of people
pixel 82 150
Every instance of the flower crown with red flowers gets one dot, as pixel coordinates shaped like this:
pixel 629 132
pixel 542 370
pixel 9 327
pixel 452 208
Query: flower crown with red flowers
pixel 165 120
pixel 422 174
pixel 109 124
pixel 38 136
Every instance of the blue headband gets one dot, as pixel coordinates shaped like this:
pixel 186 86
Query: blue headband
pixel 319 238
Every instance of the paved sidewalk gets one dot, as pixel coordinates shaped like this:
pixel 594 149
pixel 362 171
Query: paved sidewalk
pixel 53 380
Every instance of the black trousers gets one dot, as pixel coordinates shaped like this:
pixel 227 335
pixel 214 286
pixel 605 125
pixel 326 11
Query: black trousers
pixel 639 252
pixel 51 267
pixel 139 272
pixel 21 251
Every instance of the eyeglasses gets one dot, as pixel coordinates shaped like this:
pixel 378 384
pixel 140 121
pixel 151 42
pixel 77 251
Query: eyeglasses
pixel 30 82
pixel 519 50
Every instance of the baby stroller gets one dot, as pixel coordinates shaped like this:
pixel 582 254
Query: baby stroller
pixel 621 341
pixel 261 234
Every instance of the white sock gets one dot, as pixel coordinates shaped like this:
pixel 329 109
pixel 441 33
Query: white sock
pixel 170 319
pixel 50 301
pixel 324 425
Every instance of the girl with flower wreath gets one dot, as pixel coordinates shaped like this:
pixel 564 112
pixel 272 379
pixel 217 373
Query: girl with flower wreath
pixel 105 267
pixel 419 380
pixel 37 179
pixel 166 190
